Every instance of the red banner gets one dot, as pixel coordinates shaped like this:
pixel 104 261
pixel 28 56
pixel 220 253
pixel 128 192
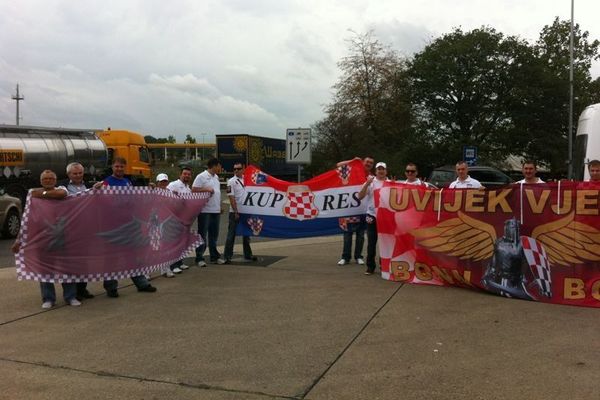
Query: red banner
pixel 537 242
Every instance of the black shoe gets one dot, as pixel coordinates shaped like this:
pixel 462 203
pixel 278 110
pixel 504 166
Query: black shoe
pixel 112 293
pixel 253 258
pixel 84 295
pixel 149 289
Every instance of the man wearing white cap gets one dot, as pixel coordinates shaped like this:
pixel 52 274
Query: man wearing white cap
pixel 162 181
pixel 368 190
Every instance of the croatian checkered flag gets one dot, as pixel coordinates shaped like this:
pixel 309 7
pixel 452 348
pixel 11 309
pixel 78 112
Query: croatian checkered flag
pixel 344 173
pixel 258 177
pixel 539 264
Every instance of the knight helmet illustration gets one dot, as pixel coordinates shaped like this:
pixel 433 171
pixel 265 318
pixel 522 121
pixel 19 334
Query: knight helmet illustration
pixel 507 272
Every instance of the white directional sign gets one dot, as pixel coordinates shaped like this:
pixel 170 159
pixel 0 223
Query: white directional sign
pixel 297 149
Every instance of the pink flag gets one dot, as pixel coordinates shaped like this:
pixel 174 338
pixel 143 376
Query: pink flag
pixel 113 233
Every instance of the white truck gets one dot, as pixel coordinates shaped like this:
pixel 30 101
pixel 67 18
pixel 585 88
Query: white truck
pixel 587 141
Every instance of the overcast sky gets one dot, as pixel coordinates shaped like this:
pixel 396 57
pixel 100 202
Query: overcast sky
pixel 216 67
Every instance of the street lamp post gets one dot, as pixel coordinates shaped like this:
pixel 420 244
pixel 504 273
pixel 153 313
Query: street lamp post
pixel 570 171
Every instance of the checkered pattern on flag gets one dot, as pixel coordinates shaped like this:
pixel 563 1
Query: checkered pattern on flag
pixel 112 233
pixel 314 207
pixel 540 266
pixel 300 206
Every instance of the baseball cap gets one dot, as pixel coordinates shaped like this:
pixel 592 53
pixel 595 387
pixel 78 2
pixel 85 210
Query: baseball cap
pixel 380 164
pixel 162 177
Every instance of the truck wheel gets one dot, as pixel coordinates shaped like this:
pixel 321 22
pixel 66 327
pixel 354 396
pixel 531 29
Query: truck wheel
pixel 12 224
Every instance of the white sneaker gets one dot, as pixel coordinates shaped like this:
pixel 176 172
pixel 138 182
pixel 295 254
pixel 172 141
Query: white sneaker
pixel 220 261
pixel 177 270
pixel 169 274
pixel 201 263
pixel 183 266
pixel 342 262
pixel 74 303
pixel 360 261
pixel 47 304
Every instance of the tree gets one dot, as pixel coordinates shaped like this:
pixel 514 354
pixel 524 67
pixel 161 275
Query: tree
pixel 540 107
pixel 369 113
pixel 190 139
pixel 461 83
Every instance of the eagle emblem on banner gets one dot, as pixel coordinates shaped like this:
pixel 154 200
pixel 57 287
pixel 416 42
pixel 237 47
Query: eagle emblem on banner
pixel 558 243
pixel 140 233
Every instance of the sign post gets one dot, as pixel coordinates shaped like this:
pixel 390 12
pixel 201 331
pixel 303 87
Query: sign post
pixel 470 155
pixel 298 149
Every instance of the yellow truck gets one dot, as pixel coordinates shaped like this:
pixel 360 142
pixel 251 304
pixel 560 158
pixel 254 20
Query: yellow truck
pixel 133 148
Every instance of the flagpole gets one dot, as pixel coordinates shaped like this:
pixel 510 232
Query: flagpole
pixel 570 172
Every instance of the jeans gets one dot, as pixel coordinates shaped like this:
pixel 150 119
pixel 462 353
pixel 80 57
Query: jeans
pixel 208 228
pixel 49 293
pixel 139 281
pixel 81 288
pixel 359 229
pixel 372 244
pixel 228 253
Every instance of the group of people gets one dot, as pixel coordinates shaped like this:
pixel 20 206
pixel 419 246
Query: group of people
pixel 357 225
pixel 208 219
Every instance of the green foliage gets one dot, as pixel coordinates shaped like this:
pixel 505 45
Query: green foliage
pixel 500 93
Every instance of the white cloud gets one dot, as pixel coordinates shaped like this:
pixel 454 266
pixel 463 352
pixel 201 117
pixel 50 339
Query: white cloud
pixel 217 66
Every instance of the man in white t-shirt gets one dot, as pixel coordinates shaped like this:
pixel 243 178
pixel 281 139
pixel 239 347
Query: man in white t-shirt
pixel 412 175
pixel 368 191
pixel 464 181
pixel 180 186
pixel 208 220
pixel 529 170
pixel 236 191
pixel 356 223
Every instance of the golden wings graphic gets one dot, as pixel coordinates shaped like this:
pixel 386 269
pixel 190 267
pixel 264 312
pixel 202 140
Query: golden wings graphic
pixel 566 241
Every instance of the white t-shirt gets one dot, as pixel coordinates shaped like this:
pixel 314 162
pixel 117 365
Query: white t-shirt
pixel 208 180
pixel 415 182
pixel 468 183
pixel 236 189
pixel 538 181
pixel 179 187
pixel 376 184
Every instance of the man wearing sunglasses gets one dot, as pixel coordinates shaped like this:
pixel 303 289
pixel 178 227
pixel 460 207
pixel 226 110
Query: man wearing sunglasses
pixel 236 192
pixel 411 173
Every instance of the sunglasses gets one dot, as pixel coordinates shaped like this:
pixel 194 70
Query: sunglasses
pixel 410 171
pixel 238 169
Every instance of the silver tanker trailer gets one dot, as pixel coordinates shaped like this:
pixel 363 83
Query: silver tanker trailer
pixel 26 151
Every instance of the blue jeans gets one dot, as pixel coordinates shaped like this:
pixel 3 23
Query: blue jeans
pixel 208 228
pixel 228 253
pixel 359 229
pixel 139 281
pixel 49 293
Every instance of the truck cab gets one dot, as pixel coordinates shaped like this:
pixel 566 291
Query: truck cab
pixel 133 148
pixel 587 141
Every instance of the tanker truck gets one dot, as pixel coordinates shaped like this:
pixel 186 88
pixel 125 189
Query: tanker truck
pixel 25 151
